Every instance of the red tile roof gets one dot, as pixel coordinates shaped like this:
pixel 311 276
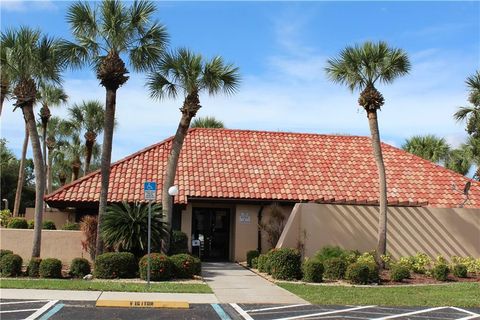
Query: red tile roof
pixel 244 164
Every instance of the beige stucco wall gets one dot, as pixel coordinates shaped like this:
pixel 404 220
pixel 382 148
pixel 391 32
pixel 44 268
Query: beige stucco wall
pixel 57 216
pixel 435 231
pixel 61 244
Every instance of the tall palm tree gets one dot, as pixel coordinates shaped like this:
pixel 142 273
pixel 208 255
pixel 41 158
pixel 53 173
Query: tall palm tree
pixel 105 34
pixel 428 147
pixel 5 83
pixel 183 72
pixel 460 159
pixel 21 175
pixel 61 166
pixel 89 117
pixel 359 68
pixel 30 59
pixel 207 122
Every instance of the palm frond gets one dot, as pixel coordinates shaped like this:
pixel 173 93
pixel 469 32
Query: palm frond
pixel 150 48
pixel 160 87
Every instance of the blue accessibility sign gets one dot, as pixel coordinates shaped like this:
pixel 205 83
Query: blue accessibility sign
pixel 150 190
pixel 148 185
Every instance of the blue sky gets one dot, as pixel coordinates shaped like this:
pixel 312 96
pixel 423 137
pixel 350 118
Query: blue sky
pixel 281 49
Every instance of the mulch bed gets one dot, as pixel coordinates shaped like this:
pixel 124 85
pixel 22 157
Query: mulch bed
pixel 419 279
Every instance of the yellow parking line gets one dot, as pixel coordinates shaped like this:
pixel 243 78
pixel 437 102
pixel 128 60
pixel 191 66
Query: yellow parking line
pixel 143 304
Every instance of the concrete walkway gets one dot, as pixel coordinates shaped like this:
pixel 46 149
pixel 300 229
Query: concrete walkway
pixel 232 283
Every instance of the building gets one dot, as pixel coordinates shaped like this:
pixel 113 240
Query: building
pixel 227 180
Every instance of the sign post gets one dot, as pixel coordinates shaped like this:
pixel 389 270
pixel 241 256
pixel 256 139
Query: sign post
pixel 150 193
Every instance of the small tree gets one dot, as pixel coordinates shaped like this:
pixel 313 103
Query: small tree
pixel 275 224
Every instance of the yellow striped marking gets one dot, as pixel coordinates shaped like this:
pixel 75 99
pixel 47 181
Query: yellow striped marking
pixel 143 304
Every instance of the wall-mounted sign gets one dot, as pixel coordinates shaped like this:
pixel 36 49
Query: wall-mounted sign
pixel 195 243
pixel 245 217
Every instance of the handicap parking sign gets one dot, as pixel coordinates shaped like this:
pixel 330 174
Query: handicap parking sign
pixel 150 190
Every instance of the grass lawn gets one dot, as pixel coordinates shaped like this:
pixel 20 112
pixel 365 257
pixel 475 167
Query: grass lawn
pixel 455 294
pixel 78 284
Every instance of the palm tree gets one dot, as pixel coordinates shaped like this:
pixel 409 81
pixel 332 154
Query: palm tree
pixel 5 83
pixel 104 33
pixel 189 74
pixel 428 147
pixel 460 159
pixel 361 67
pixel 21 175
pixel 89 117
pixel 207 122
pixel 31 59
pixel 61 167
pixel 125 227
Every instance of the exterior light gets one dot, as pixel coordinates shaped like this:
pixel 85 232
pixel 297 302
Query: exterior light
pixel 173 191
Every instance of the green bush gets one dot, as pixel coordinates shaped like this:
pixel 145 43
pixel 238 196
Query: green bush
pixel 31 224
pixel 399 272
pixel 440 272
pixel 179 242
pixel 113 265
pixel 161 267
pixel 329 252
pixel 312 270
pixel 48 225
pixel 79 267
pixel 71 226
pixel 11 265
pixel 185 266
pixel 335 268
pixel 250 255
pixel 285 264
pixel 255 263
pixel 17 223
pixel 5 216
pixel 357 273
pixel 418 263
pixel 33 269
pixel 50 268
pixel 4 252
pixel 373 272
pixel 263 263
pixel 460 270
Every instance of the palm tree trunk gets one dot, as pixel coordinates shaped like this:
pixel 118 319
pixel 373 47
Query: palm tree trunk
pixel 44 147
pixel 110 104
pixel 88 155
pixel 21 175
pixel 382 218
pixel 49 172
pixel 39 177
pixel 170 172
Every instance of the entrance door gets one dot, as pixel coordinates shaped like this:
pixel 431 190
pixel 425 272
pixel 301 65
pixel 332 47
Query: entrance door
pixel 212 227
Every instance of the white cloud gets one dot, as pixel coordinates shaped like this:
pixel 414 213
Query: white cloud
pixel 23 5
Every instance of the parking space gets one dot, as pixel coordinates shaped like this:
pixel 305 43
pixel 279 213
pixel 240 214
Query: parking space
pixel 26 309
pixel 290 312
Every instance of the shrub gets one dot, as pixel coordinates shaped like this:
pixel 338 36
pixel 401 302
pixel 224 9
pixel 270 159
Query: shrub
pixel 285 264
pixel 357 273
pixel 113 265
pixel 250 255
pixel 399 272
pixel 31 224
pixel 417 263
pixel 334 268
pixel 329 252
pixel 17 223
pixel 4 252
pixel 472 264
pixel 48 225
pixel 11 265
pixel 440 272
pixel 312 270
pixel 366 257
pixel 79 267
pixel 33 269
pixel 373 272
pixel 161 267
pixel 185 266
pixel 50 268
pixel 263 263
pixel 71 226
pixel 255 262
pixel 460 270
pixel 179 242
pixel 5 216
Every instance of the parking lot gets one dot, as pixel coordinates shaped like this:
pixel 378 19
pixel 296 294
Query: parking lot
pixel 54 309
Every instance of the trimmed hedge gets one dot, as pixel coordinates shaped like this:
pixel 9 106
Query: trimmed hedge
pixel 263 263
pixel 460 270
pixel 50 268
pixel 373 272
pixel 33 269
pixel 48 225
pixel 255 263
pixel 335 268
pixel 285 264
pixel 17 223
pixel 185 266
pixel 178 242
pixel 71 226
pixel 79 267
pixel 11 265
pixel 250 255
pixel 399 272
pixel 4 252
pixel 312 271
pixel 440 272
pixel 161 267
pixel 357 273
pixel 113 265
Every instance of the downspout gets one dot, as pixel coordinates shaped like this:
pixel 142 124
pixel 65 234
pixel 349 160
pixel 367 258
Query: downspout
pixel 259 236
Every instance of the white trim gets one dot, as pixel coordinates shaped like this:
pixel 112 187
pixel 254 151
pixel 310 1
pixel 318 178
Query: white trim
pixel 40 311
pixel 410 313
pixel 325 313
pixel 241 311
pixel 18 302
pixel 277 308
pixel 23 310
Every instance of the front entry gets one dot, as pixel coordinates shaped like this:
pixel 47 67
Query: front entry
pixel 211 226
